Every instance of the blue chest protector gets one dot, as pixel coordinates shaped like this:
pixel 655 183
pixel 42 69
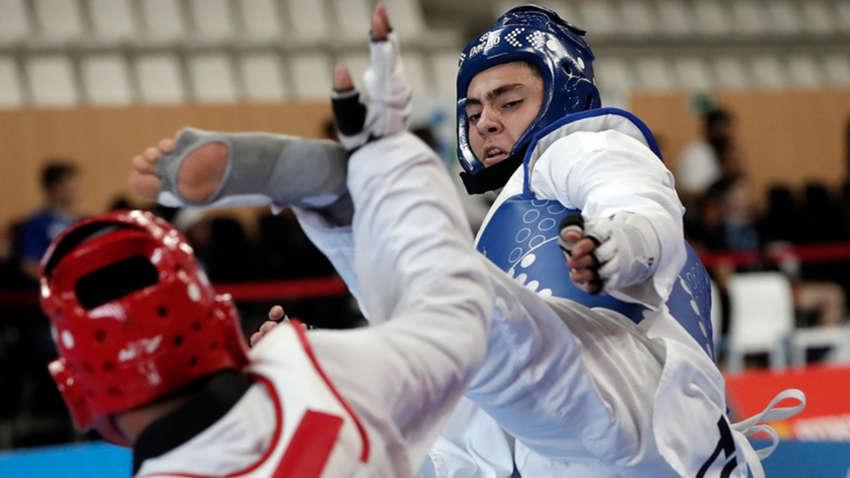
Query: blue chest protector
pixel 521 238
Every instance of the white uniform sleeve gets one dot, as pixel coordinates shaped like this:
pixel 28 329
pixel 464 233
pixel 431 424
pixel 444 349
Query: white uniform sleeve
pixel 607 172
pixel 335 242
pixel 424 287
pixel 472 445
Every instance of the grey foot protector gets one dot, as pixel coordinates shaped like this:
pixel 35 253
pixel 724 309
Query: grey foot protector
pixel 265 168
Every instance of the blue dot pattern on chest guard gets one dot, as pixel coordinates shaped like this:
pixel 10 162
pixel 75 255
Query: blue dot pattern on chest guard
pixel 521 238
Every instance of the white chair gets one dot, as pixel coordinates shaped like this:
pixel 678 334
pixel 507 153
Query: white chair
pixel 262 75
pixel 160 79
pixel 819 336
pixel 565 9
pixel 113 20
pixel 260 19
pixel 51 81
pixel 836 69
pixel 60 20
pixel 805 71
pixel 761 318
pixel 717 320
pixel 212 78
pixel 358 63
pixel 502 6
pixel 14 22
pixel 675 17
pixel 784 17
pixel 417 74
pixel 817 17
pixel 11 95
pixel 163 19
pixel 444 66
pixel 694 74
pixel 638 18
pixel 106 80
pixel 308 22
pixel 600 18
pixel 311 75
pixel 351 18
pixel 768 72
pixel 654 74
pixel 614 74
pixel 731 73
pixel 748 17
pixel 712 19
pixel 842 14
pixel 212 19
pixel 407 17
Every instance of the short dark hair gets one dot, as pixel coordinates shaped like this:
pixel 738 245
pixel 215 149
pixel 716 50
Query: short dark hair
pixel 720 188
pixel 55 172
pixel 717 117
pixel 534 68
pixel 329 129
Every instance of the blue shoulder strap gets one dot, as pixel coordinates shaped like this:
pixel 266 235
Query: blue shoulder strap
pixel 599 119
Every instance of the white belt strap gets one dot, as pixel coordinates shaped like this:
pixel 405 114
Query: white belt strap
pixel 746 428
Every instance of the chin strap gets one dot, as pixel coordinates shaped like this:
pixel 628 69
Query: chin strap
pixel 495 176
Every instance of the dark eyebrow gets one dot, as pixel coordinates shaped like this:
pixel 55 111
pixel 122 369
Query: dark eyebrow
pixel 496 93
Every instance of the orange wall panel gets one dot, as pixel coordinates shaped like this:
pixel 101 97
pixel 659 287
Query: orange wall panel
pixel 104 140
pixel 787 137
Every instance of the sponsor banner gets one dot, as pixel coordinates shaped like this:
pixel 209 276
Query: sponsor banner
pixel 827 413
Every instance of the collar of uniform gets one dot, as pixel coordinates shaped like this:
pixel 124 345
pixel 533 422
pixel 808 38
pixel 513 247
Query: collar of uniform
pixel 211 402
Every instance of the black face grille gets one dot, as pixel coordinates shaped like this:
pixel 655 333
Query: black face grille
pixel 115 281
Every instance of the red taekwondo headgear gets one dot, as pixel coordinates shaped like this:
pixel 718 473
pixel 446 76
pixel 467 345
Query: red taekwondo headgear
pixel 135 317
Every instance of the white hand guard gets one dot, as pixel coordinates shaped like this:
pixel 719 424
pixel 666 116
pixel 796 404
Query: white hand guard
pixel 628 248
pixel 389 95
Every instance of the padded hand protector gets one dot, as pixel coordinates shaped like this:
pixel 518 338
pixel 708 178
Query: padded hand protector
pixel 628 249
pixel 389 95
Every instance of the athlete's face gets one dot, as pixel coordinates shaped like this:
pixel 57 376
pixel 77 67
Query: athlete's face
pixel 500 104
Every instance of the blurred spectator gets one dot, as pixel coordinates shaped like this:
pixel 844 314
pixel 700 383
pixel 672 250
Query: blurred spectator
pixel 701 205
pixel 6 262
pixel 707 220
pixel 735 231
pixel 60 184
pixel 781 222
pixel 120 201
pixel 821 219
pixel 329 130
pixel 39 415
pixel 198 231
pixel 427 136
pixel 5 246
pixel 700 164
pixel 846 185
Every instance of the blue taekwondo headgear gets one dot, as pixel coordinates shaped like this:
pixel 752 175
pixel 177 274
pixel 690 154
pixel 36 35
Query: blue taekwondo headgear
pixel 534 34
